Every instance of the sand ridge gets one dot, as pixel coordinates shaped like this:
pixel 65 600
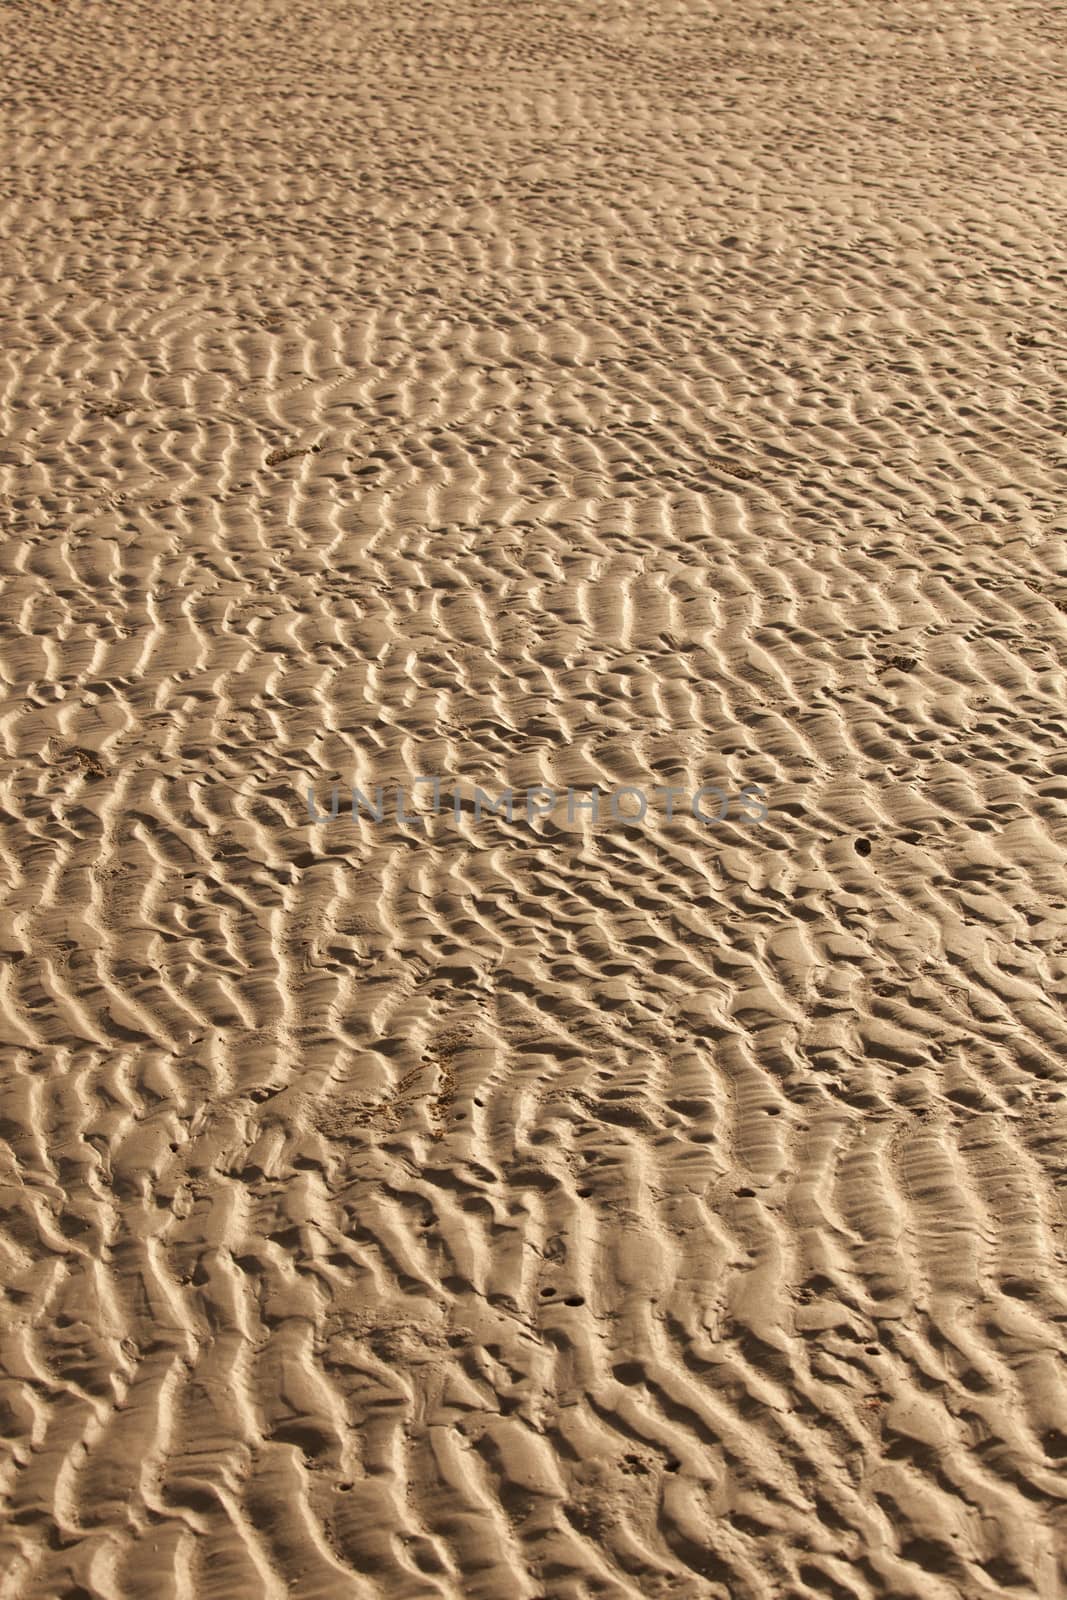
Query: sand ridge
pixel 532 394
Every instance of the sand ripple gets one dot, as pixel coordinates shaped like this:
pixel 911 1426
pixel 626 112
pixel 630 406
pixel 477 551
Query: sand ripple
pixel 566 395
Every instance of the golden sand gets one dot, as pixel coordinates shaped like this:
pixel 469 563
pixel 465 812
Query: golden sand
pixel 569 396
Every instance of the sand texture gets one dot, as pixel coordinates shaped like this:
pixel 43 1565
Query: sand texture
pixel 578 395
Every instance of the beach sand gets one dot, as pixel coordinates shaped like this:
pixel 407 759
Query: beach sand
pixel 577 396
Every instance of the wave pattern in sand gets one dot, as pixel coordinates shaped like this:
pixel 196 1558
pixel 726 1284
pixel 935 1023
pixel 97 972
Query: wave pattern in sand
pixel 568 395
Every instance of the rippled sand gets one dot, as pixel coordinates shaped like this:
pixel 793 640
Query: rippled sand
pixel 573 395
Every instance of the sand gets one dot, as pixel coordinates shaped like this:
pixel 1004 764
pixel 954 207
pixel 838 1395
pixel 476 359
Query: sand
pixel 578 396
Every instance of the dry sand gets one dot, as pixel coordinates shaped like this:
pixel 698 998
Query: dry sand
pixel 575 394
